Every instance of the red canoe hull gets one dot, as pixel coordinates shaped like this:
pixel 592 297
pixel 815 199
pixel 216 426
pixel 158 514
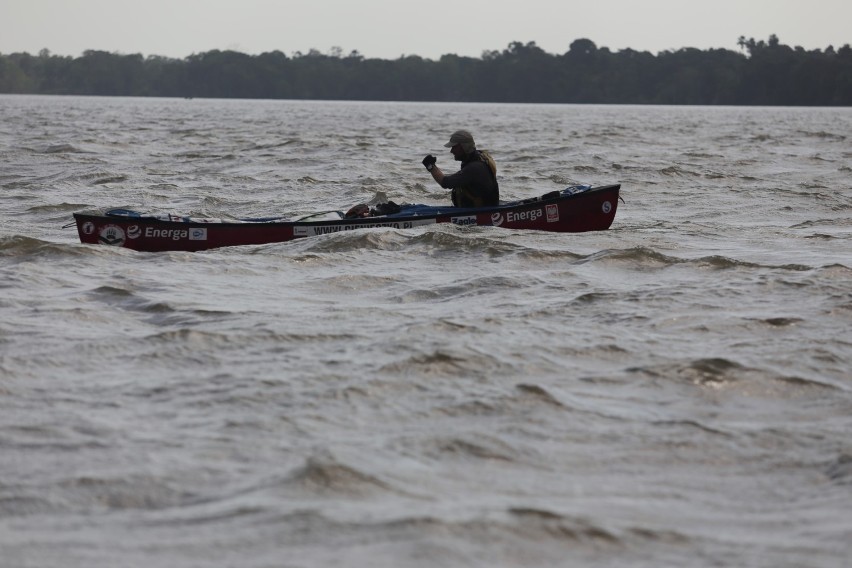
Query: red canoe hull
pixel 591 210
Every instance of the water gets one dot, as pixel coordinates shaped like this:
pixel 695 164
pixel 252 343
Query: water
pixel 672 392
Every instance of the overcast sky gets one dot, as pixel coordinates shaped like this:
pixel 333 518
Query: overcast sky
pixel 387 29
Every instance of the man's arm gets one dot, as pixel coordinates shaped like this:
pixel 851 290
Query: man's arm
pixel 437 174
pixel 465 176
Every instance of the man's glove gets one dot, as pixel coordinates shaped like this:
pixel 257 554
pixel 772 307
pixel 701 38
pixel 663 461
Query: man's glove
pixel 429 162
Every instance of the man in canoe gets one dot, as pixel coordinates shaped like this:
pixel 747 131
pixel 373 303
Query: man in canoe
pixel 475 184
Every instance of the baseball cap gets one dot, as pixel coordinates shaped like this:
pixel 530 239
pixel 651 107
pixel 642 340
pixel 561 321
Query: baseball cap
pixel 462 137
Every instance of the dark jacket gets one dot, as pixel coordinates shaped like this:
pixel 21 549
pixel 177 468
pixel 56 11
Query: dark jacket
pixel 474 185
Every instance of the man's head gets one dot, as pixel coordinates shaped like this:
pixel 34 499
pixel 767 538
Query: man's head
pixel 461 144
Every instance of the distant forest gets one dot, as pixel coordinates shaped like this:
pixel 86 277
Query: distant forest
pixel 761 73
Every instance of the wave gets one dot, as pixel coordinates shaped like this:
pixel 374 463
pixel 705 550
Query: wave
pixel 840 470
pixel 273 145
pixel 308 180
pixel 325 475
pixel 89 493
pixel 561 180
pixel 437 363
pixel 539 394
pixel 103 180
pixel 762 138
pixel 62 149
pixel 187 337
pixel 23 247
pixel 702 372
pixel 466 289
pixel 522 535
pixel 822 237
pixel 822 134
pixel 649 258
pixel 354 282
pixel 523 531
pixel 19 245
pixel 521 158
pixel 548 255
pixel 721 373
pixel 127 492
pixel 482 448
pixel 552 524
pixel 58 207
pixel 677 171
pixel 95 178
pixel 821 223
pixel 836 271
pixel 781 321
pixel 432 239
pixel 585 169
pixel 704 155
pixel 642 256
pixel 128 300
pixel 20 505
pixel 192 155
pixel 162 313
pixel 525 396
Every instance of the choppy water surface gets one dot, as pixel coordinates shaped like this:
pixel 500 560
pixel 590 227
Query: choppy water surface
pixel 672 392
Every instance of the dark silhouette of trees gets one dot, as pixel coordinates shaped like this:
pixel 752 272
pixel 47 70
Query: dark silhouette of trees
pixel 760 73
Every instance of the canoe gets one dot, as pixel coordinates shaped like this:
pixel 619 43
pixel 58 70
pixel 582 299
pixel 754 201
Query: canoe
pixel 573 210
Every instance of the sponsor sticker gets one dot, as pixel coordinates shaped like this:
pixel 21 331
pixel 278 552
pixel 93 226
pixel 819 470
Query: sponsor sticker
pixel 134 232
pixel 496 219
pixel 317 230
pixel 552 213
pixel 88 228
pixel 173 234
pixel 606 207
pixel 198 234
pixel 112 235
pixel 518 216
pixel 467 220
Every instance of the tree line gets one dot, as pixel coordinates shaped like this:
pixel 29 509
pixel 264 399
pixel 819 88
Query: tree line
pixel 760 73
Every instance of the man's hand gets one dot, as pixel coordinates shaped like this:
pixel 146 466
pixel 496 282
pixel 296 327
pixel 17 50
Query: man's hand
pixel 429 162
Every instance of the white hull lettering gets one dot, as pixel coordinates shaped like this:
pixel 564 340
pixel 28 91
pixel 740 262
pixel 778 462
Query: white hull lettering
pixel 517 216
pixel 468 220
pixel 329 229
pixel 173 234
